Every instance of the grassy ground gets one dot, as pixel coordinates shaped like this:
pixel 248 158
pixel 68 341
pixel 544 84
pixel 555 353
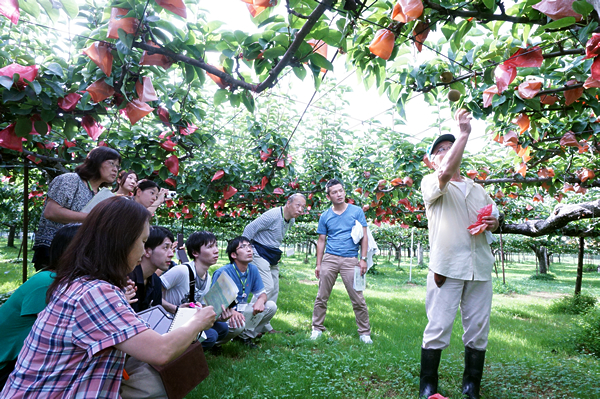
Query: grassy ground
pixel 528 354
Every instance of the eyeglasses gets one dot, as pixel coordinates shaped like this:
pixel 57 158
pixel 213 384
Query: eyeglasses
pixel 243 246
pixel 113 164
pixel 442 150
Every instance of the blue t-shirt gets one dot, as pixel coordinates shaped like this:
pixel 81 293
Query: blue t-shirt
pixel 252 283
pixel 337 228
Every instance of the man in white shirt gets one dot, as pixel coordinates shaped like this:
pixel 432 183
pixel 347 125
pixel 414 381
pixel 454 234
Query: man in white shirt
pixel 460 266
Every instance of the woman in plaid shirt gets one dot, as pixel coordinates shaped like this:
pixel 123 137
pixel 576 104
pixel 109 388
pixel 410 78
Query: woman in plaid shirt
pixel 78 344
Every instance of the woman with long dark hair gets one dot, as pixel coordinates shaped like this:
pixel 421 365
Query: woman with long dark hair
pixel 126 183
pixel 77 345
pixel 69 193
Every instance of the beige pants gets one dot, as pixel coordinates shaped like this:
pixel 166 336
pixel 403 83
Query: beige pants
pixel 331 266
pixel 475 300
pixel 270 278
pixel 269 312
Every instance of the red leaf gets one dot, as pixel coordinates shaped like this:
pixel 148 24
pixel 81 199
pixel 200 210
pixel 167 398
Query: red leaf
pixel 529 89
pixel 69 102
pixel 265 3
pixel 218 175
pixel 383 44
pixel 191 128
pixel 573 94
pixel 420 34
pixel 155 59
pixel 171 182
pixel 25 72
pixel 538 198
pixel 281 163
pixel 278 190
pixel 168 145
pixel 99 53
pixel 265 155
pixel 145 90
pixel 504 74
pixel 169 203
pixel 33 159
pixel 10 9
pixel 557 9
pixel 511 139
pixel 528 207
pixel 263 182
pixel 580 189
pixel 408 181
pixel 379 195
pixel 479 226
pixel 569 140
pixel 175 6
pixel 93 129
pixel 185 209
pixel 559 197
pixel 592 47
pixel 407 10
pixel 69 144
pixel 545 173
pixel 488 95
pixel 10 140
pixel 229 192
pixel 136 110
pixel 100 90
pixel 530 57
pixel 523 122
pixel 189 216
pixel 172 163
pixel 591 83
pixel 129 25
pixel 163 114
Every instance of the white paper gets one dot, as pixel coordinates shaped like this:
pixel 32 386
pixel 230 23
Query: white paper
pixel 223 292
pixel 360 281
pixel 103 194
pixel 252 320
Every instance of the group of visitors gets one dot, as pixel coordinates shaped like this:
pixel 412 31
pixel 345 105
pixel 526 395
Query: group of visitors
pixel 75 329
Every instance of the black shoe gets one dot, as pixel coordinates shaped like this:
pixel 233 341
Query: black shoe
pixel 430 361
pixel 474 360
pixel 216 350
pixel 246 342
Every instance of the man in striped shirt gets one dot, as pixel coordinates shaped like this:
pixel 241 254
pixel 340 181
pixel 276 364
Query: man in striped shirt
pixel 266 234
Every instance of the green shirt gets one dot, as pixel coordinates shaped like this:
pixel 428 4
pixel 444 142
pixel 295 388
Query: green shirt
pixel 19 313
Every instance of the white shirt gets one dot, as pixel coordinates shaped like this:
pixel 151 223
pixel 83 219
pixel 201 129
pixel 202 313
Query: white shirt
pixel 176 282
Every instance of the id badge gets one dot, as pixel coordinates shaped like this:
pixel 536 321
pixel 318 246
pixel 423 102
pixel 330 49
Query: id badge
pixel 241 307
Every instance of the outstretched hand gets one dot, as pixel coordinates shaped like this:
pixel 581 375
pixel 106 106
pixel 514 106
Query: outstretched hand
pixel 463 117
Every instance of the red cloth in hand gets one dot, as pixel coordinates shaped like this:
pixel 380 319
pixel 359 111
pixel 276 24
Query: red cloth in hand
pixel 480 226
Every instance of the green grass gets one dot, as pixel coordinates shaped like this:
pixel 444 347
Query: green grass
pixel 528 354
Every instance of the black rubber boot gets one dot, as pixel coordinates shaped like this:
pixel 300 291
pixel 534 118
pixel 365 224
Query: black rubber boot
pixel 474 360
pixel 430 361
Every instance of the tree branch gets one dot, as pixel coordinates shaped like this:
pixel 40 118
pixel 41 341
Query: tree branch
pixel 479 15
pixel 562 215
pixel 227 78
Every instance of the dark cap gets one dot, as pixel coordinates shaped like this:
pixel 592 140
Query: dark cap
pixel 444 137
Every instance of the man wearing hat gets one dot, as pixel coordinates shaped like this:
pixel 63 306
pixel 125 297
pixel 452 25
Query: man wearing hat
pixel 460 264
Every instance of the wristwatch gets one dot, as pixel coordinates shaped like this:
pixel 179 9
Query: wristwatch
pixel 363 258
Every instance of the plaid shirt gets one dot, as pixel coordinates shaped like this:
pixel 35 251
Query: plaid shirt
pixel 70 350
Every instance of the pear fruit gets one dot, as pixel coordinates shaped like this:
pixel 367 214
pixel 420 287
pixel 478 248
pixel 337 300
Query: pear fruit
pixel 454 95
pixel 446 77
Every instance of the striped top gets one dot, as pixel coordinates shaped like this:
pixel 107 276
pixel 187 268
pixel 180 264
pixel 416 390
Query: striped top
pixel 269 228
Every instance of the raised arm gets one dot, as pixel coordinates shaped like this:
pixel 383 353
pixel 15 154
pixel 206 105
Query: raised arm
pixel 450 165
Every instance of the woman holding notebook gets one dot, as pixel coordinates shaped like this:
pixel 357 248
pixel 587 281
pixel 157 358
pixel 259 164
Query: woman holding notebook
pixel 78 344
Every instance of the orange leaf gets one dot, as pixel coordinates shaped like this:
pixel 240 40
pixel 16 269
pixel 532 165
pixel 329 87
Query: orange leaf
pixel 523 122
pixel 145 90
pixel 511 139
pixel 538 198
pixel 499 139
pixel 548 99
pixel 583 147
pixel 265 3
pixel 379 195
pixel 155 59
pixel 255 11
pixel 217 79
pixel 472 174
pixel 99 53
pixel 557 9
pixel 10 9
pixel 559 197
pixel 580 189
pixel 499 194
pixel 319 46
pixel 530 57
pixel 573 94
pixel 522 169
pixel 383 44
pixel 545 173
pixel 358 190
pixel 504 74
pixel 396 182
pixel 175 6
pixel 172 163
pixel 100 90
pixel 136 110
pixel 529 89
pixel 408 181
pixel 513 195
pixel 488 95
pixel 129 25
pixel 585 174
pixel 420 34
pixel 407 10
pixel 569 140
pixel 568 187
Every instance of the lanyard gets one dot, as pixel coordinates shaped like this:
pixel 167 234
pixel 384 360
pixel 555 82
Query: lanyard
pixel 90 186
pixel 243 282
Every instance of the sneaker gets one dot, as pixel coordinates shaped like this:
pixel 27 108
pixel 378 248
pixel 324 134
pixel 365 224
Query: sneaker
pixel 246 342
pixel 366 339
pixel 315 334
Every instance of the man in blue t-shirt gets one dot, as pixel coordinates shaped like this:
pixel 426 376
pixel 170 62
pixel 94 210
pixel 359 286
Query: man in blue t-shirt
pixel 335 226
pixel 247 278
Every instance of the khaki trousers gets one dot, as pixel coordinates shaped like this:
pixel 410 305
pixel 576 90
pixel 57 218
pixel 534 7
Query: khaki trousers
pixel 331 266
pixel 475 300
pixel 270 278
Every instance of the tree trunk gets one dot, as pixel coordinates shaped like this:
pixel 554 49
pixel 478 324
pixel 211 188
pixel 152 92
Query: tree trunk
pixel 541 253
pixel 579 266
pixel 11 236
pixel 420 254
